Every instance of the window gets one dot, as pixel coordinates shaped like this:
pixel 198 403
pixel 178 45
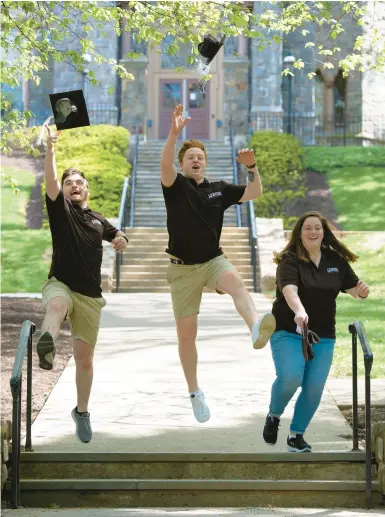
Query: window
pixel 197 99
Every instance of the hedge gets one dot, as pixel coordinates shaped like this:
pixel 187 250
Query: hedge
pixel 322 159
pixel 100 152
pixel 279 160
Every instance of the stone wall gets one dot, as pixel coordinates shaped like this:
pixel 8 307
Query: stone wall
pixel 236 95
pixel 266 67
pixel 373 82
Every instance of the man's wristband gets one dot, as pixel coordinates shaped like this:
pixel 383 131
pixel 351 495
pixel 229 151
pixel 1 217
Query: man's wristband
pixel 362 297
pixel 251 166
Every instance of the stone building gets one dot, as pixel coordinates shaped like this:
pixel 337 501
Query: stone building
pixel 247 88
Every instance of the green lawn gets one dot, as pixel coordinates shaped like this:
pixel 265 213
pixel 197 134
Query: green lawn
pixel 25 253
pixel 369 267
pixel 356 177
pixel 13 206
pixel 359 197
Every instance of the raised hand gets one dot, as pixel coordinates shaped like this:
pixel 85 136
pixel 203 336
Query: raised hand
pixel 178 123
pixel 51 140
pixel 246 157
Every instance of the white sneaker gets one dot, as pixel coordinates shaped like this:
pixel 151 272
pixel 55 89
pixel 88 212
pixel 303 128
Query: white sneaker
pixel 262 330
pixel 200 408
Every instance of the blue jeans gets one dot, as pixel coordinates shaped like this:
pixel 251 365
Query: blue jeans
pixel 293 371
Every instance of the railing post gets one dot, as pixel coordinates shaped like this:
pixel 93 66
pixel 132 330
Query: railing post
pixel 16 419
pixel 368 433
pixel 353 331
pixel 28 440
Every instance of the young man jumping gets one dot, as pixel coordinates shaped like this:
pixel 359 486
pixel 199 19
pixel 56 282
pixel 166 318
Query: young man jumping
pixel 73 288
pixel 195 209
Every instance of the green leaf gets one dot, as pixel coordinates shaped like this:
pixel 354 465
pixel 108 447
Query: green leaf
pixel 111 90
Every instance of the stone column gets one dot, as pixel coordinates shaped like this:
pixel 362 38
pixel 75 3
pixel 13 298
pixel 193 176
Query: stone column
pixel 303 89
pixel 266 67
pixel 134 95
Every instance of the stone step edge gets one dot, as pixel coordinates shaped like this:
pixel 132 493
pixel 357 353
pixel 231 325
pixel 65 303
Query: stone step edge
pixel 272 457
pixel 196 484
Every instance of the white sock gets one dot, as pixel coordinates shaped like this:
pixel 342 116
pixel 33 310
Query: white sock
pixel 292 435
pixel 195 393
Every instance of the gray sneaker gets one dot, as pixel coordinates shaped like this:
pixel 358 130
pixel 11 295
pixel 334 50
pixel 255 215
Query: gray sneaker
pixel 83 426
pixel 46 351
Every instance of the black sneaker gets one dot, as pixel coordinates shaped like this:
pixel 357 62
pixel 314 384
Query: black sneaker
pixel 46 351
pixel 298 444
pixel 270 431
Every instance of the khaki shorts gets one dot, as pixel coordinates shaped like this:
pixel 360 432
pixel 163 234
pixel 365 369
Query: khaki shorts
pixel 187 283
pixel 83 311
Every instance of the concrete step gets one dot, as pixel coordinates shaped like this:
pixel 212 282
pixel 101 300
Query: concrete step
pixel 271 466
pixel 129 493
pixel 161 268
pixel 149 285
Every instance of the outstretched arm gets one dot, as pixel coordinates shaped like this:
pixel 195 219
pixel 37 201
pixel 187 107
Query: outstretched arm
pixel 51 180
pixel 167 167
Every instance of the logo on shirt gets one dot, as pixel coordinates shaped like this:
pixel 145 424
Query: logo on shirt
pixel 214 194
pixel 96 221
pixel 332 270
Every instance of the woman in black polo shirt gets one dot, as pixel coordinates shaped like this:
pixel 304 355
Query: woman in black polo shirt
pixel 312 270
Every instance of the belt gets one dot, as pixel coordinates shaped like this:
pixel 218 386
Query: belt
pixel 182 262
pixel 176 261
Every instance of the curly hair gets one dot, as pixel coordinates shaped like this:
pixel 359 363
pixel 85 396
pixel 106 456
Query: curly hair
pixel 329 241
pixel 189 144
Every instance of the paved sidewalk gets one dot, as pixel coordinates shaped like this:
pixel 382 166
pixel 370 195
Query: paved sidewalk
pixel 195 512
pixel 140 403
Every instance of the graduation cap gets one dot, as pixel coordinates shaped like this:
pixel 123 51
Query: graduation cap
pixel 209 47
pixel 69 109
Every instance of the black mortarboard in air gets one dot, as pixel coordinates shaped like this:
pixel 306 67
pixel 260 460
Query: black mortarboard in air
pixel 69 109
pixel 209 47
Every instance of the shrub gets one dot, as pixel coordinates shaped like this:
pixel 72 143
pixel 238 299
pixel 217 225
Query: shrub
pixel 99 152
pixel 322 159
pixel 278 157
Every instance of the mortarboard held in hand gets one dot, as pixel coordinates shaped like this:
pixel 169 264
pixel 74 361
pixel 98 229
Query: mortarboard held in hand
pixel 69 109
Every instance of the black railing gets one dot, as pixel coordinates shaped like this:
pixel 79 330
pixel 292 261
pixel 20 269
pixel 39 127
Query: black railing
pixel 357 329
pixel 235 173
pixel 127 206
pixel 253 241
pixel 25 343
pixel 313 129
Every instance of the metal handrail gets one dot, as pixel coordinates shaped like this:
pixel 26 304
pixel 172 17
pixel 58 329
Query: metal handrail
pixel 25 343
pixel 123 209
pixel 235 173
pixel 253 241
pixel 357 329
pixel 133 179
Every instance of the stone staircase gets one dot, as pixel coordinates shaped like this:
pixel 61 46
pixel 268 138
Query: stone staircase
pixel 149 205
pixel 121 480
pixel 145 261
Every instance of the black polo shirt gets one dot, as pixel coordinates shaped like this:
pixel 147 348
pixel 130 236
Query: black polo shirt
pixel 195 216
pixel 77 236
pixel 318 288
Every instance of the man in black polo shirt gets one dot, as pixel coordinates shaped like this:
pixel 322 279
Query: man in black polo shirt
pixel 195 209
pixel 73 288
